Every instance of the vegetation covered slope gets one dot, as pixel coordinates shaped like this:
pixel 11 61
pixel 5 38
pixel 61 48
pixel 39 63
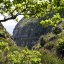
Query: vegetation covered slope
pixel 48 52
pixel 12 54
pixel 4 35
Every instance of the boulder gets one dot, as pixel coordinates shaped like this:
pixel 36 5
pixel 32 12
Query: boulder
pixel 28 31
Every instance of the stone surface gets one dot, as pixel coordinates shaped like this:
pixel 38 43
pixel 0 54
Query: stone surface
pixel 28 31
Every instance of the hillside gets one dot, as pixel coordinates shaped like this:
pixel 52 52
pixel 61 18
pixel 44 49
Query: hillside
pixel 48 50
pixel 38 37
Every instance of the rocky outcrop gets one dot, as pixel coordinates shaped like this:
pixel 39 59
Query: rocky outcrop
pixel 28 31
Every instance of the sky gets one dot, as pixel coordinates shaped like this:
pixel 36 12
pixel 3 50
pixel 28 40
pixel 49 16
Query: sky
pixel 10 24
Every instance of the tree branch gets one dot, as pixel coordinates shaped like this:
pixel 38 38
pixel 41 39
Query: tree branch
pixel 5 19
pixel 13 17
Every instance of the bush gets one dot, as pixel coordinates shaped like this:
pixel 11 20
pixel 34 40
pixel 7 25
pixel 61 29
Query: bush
pixel 49 45
pixel 57 30
pixel 49 58
pixel 60 47
pixel 24 57
pixel 14 55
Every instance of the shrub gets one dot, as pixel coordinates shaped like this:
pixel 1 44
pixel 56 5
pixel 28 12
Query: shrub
pixel 14 55
pixel 24 57
pixel 49 58
pixel 49 45
pixel 42 41
pixel 60 47
pixel 57 30
pixel 3 45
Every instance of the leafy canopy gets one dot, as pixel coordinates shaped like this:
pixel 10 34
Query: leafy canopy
pixel 35 8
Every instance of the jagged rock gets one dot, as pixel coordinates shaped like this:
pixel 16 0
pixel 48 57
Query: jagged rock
pixel 28 31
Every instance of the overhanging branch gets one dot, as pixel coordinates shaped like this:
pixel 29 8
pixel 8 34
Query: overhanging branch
pixel 13 17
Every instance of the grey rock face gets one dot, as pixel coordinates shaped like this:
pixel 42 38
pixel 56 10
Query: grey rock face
pixel 28 31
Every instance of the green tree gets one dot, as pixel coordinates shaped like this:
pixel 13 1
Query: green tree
pixel 33 8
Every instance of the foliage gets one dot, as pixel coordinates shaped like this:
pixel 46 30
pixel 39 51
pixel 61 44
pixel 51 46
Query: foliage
pixel 49 59
pixel 51 22
pixel 24 57
pixel 14 55
pixel 51 12
pixel 60 47
pixel 49 45
pixel 35 8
